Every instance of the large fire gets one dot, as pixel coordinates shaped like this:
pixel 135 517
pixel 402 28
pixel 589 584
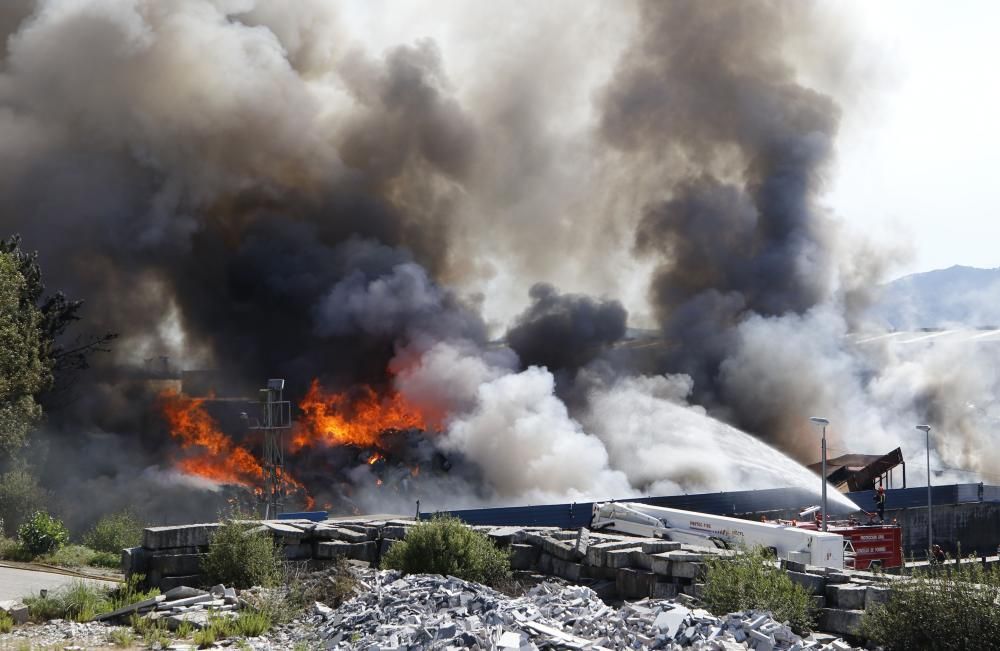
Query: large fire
pixel 330 418
pixel 209 452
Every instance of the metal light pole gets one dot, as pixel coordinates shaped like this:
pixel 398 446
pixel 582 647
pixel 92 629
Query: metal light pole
pixel 822 422
pixel 926 429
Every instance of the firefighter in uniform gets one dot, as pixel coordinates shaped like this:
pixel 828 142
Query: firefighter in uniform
pixel 880 503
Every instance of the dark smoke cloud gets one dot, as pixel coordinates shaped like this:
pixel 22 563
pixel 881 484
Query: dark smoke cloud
pixel 565 331
pixel 739 232
pixel 256 188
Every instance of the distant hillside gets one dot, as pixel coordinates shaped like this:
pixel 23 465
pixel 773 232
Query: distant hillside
pixel 955 296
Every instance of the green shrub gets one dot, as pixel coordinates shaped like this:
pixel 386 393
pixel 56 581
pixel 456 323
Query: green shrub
pixel 242 558
pixel 122 637
pixel 446 546
pixel 79 601
pixel 184 630
pixel 69 556
pixel 115 532
pixel 251 623
pixel 204 638
pixel 130 591
pixel 946 607
pixel 79 556
pixel 11 550
pixel 42 534
pixel 105 559
pixel 751 580
pixel 6 622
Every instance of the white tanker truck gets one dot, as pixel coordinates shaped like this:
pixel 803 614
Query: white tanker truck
pixel 788 541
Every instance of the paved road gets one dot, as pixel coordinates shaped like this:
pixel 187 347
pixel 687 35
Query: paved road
pixel 16 582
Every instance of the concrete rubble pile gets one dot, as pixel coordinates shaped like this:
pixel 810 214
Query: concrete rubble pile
pixel 429 611
pixel 615 566
pixel 179 605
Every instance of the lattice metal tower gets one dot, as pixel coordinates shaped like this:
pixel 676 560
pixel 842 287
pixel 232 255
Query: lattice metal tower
pixel 275 419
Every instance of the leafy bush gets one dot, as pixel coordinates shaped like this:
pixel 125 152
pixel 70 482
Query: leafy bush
pixel 6 622
pixel 11 550
pixel 115 532
pixel 446 546
pixel 945 607
pixel 751 580
pixel 42 534
pixel 241 557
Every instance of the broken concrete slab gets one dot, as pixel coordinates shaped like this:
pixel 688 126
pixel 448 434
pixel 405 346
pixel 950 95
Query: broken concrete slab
pixel 523 557
pixel 186 601
pixel 582 542
pixel 170 582
pixel 686 569
pixel 617 558
pixel 133 561
pixel 657 546
pixel 876 594
pixel 17 610
pixel 139 606
pixel 187 535
pixel 332 549
pixel 175 564
pixel 814 584
pixel 596 552
pixel 846 596
pixel 505 536
pixel 841 622
pixel 183 592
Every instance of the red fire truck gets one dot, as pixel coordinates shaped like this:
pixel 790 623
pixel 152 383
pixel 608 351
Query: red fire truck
pixel 866 546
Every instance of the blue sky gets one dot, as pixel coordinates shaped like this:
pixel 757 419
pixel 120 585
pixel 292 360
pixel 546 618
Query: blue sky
pixel 919 156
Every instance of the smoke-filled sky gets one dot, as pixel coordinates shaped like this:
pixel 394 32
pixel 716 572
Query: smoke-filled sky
pixel 376 194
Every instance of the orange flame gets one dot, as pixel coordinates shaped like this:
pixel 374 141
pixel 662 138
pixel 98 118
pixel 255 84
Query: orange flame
pixel 210 453
pixel 331 418
pixel 375 458
pixel 213 455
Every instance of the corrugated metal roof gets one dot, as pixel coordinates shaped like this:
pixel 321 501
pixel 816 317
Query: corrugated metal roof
pixel 572 516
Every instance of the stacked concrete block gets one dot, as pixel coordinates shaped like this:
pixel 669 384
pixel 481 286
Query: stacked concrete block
pixel 172 556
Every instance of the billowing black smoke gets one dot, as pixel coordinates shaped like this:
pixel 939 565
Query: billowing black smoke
pixel 565 331
pixel 260 191
pixel 739 232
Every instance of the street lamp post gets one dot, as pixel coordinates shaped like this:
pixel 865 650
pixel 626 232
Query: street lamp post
pixel 822 422
pixel 926 429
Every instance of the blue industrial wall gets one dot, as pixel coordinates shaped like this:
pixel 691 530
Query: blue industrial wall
pixel 571 516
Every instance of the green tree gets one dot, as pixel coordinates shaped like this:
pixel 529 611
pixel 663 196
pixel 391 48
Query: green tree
pixel 24 369
pixel 33 348
pixel 63 356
